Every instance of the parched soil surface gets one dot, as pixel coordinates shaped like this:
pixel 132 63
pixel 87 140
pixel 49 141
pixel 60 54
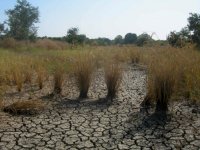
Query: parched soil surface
pixel 94 124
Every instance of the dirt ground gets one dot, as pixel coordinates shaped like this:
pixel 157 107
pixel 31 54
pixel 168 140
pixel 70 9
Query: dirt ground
pixel 93 124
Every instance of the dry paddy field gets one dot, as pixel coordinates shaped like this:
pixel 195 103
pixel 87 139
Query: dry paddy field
pixel 91 98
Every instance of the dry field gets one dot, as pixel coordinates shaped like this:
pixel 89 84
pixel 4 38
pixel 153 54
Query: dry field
pixel 93 97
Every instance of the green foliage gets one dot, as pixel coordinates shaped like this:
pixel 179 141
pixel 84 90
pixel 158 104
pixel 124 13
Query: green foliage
pixel 118 40
pixel 82 38
pixel 194 27
pixel 130 38
pixel 21 20
pixel 179 39
pixel 104 41
pixel 72 36
pixel 143 39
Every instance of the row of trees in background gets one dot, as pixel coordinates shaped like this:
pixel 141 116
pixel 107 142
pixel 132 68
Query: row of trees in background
pixel 130 38
pixel 21 26
pixel 189 34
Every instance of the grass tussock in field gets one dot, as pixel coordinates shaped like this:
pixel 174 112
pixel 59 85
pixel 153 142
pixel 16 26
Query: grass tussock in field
pixel 58 79
pixel 163 81
pixel 113 75
pixel 25 107
pixel 83 68
pixel 173 73
pixel 41 75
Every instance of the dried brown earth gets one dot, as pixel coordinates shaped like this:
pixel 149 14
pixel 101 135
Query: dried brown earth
pixel 93 124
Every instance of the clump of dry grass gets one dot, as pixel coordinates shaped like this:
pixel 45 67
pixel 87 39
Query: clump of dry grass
pixel 41 75
pixel 28 74
pixel 58 79
pixel 164 87
pixel 83 69
pixel 17 77
pixel 163 79
pixel 113 75
pixel 25 107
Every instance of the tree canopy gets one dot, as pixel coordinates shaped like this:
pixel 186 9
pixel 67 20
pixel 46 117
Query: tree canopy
pixel 118 40
pixel 194 27
pixel 130 38
pixel 22 19
pixel 143 39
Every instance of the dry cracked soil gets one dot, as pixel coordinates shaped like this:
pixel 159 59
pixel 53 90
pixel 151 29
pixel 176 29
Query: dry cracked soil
pixel 93 124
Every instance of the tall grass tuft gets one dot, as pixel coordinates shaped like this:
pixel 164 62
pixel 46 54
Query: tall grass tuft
pixel 83 69
pixel 28 73
pixel 58 79
pixel 41 76
pixel 164 78
pixel 17 77
pixel 113 76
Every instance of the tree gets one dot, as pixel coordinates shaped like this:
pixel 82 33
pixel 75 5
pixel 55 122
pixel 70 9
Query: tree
pixel 22 19
pixel 1 29
pixel 72 36
pixel 174 39
pixel 143 39
pixel 103 41
pixel 82 38
pixel 179 39
pixel 130 38
pixel 194 27
pixel 118 39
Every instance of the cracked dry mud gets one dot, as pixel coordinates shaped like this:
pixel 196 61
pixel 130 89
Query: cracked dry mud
pixel 67 124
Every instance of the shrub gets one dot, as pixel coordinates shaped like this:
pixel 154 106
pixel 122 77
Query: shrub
pixel 113 76
pixel 83 69
pixel 25 107
pixel 176 39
